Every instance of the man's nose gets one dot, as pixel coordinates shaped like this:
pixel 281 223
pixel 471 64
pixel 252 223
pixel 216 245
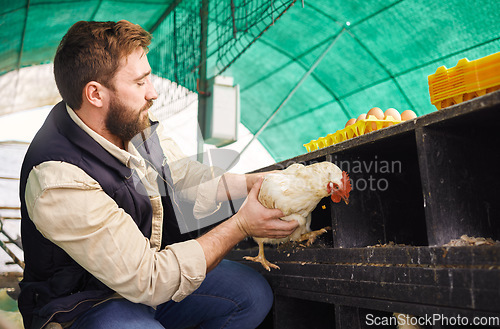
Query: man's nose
pixel 151 91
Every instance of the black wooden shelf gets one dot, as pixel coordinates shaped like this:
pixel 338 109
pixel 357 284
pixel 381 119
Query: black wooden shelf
pixel 418 184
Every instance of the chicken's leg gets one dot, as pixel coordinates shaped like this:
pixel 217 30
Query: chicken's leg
pixel 260 258
pixel 311 236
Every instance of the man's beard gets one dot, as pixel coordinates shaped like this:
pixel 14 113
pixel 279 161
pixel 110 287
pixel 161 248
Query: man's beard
pixel 120 121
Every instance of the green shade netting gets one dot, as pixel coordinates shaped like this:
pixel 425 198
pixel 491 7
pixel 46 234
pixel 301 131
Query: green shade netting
pixel 381 52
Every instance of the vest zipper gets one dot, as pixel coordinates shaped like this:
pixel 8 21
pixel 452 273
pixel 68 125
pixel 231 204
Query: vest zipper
pixel 173 196
pixel 162 176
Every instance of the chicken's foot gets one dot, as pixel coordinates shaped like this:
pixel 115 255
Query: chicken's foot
pixel 312 236
pixel 261 258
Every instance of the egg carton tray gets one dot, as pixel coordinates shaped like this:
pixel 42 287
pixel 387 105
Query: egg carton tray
pixel 361 127
pixel 467 80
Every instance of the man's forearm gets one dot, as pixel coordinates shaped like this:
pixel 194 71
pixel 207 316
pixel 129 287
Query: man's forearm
pixel 252 219
pixel 219 241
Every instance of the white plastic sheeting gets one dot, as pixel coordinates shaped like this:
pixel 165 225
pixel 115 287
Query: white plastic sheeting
pixel 28 88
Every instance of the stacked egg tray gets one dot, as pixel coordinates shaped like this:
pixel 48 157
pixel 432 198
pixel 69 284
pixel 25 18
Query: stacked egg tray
pixel 465 81
pixel 371 123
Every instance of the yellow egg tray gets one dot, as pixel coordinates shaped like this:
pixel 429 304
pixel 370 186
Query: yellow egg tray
pixel 465 81
pixel 357 129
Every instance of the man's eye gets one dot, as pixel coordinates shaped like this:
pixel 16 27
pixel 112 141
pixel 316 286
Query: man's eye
pixel 141 83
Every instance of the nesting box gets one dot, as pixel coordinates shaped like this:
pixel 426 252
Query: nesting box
pixel 418 238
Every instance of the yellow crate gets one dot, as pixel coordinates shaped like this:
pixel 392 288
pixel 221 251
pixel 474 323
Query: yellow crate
pixel 357 129
pixel 465 81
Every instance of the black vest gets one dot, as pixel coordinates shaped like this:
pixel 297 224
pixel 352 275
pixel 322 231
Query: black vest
pixel 55 287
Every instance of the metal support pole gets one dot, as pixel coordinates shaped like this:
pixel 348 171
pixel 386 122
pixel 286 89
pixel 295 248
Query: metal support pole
pixel 167 12
pixel 290 94
pixel 202 86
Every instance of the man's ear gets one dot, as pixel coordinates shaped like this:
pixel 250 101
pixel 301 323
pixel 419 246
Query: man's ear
pixel 95 93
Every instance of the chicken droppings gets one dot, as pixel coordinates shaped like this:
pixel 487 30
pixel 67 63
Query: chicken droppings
pixel 471 241
pixel 388 244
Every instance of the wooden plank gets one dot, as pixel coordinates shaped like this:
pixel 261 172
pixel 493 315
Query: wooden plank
pixel 479 298
pixel 383 305
pixel 471 256
pixel 460 277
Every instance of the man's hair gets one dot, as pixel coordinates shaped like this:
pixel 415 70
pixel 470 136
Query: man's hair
pixel 91 51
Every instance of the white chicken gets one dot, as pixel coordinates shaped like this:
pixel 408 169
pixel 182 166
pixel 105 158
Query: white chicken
pixel 296 191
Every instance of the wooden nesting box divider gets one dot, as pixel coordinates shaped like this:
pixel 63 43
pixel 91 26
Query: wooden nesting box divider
pixel 417 186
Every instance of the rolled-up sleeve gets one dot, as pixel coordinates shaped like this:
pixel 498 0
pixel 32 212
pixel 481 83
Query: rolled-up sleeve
pixel 70 209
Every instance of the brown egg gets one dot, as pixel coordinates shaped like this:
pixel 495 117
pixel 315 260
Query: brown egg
pixel 408 115
pixel 362 116
pixel 350 122
pixel 392 113
pixel 378 113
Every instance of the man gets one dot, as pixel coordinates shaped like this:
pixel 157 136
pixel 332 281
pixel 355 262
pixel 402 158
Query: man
pixel 99 228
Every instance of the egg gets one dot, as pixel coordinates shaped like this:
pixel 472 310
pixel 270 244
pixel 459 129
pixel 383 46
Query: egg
pixel 378 113
pixel 362 116
pixel 392 113
pixel 408 115
pixel 350 122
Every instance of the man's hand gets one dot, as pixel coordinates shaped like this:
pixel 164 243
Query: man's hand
pixel 255 220
pixel 254 178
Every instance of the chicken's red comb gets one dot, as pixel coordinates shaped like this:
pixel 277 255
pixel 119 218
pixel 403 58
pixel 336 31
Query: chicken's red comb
pixel 346 183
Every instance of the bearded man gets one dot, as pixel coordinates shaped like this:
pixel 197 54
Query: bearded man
pixel 99 193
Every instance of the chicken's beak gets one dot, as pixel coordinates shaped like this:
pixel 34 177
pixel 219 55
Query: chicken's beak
pixel 340 195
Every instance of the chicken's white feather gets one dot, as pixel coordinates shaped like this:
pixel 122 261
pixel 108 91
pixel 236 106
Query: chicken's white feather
pixel 296 191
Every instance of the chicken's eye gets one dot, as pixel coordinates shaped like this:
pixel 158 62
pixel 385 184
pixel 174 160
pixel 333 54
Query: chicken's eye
pixel 336 186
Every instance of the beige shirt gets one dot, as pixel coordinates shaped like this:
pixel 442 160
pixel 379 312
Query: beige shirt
pixel 71 209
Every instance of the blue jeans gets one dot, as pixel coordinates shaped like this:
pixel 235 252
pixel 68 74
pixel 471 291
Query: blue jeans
pixel 231 296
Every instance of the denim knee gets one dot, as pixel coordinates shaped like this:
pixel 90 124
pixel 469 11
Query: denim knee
pixel 257 297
